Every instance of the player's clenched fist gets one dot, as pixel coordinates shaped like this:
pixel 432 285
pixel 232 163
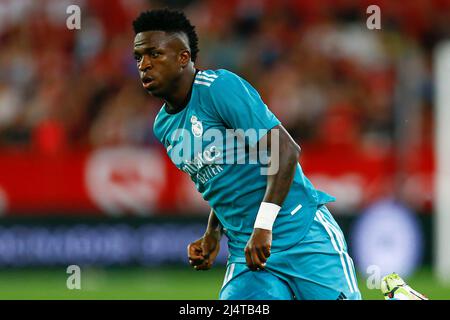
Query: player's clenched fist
pixel 203 252
pixel 257 250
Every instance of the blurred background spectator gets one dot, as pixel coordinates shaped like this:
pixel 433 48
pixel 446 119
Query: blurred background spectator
pixel 328 78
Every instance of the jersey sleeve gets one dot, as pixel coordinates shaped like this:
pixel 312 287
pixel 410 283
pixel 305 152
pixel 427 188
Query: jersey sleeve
pixel 240 106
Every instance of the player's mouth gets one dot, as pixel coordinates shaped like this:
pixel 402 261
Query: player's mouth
pixel 147 81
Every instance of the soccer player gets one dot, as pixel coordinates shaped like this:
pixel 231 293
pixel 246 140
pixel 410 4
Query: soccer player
pixel 283 242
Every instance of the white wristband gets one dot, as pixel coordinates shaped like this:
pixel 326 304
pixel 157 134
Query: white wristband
pixel 266 215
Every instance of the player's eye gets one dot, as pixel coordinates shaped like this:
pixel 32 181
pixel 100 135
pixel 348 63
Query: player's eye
pixel 154 54
pixel 137 57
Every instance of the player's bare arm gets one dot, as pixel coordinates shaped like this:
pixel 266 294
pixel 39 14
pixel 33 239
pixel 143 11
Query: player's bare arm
pixel 203 252
pixel 258 247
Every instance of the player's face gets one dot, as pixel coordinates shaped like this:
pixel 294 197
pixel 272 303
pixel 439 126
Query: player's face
pixel 158 60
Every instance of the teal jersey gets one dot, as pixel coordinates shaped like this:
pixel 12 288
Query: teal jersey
pixel 197 141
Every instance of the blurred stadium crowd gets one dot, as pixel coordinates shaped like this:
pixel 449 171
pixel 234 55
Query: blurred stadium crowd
pixel 327 77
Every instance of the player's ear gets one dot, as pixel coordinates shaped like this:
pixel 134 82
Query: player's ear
pixel 185 58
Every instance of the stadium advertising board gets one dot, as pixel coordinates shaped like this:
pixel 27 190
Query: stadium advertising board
pixel 143 182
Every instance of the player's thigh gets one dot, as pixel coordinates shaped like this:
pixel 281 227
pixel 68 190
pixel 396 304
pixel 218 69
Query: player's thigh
pixel 241 283
pixel 319 267
pixel 331 273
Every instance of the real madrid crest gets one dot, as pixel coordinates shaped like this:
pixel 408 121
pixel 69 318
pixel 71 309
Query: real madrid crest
pixel 197 127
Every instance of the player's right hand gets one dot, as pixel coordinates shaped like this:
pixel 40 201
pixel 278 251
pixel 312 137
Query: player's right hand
pixel 203 252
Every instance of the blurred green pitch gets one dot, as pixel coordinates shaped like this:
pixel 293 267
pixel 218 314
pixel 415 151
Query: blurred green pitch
pixel 168 283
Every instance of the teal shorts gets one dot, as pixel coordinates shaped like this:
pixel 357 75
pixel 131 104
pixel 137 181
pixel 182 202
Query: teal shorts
pixel 316 268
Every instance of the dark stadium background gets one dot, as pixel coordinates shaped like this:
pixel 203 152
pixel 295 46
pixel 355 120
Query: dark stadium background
pixel 83 181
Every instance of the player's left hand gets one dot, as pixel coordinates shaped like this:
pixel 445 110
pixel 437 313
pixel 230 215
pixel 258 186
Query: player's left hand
pixel 257 250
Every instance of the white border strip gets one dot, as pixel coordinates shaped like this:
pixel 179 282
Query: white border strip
pixel 441 59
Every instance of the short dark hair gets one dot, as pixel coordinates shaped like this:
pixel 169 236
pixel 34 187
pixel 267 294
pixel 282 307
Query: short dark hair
pixel 169 21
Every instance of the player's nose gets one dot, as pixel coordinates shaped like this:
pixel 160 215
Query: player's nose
pixel 145 63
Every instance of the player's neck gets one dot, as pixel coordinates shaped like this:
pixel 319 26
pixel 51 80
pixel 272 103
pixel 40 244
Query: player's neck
pixel 181 96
